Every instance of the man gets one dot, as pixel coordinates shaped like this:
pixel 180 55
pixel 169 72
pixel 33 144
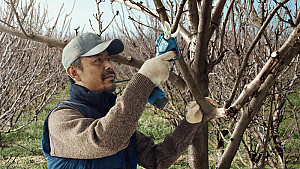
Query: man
pixel 94 129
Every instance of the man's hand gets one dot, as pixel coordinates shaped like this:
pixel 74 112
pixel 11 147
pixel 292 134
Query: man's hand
pixel 157 69
pixel 195 115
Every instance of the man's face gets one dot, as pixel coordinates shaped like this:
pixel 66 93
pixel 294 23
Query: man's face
pixel 97 73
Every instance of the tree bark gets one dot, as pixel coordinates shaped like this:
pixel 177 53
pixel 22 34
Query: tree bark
pixel 199 147
pixel 35 37
pixel 198 150
pixel 254 107
pixel 236 137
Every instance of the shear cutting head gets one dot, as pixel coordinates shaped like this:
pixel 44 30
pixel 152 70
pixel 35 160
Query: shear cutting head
pixel 167 31
pixel 167 42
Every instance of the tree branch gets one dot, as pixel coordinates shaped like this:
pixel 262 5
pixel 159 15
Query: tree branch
pixel 297 20
pixel 18 18
pixel 139 7
pixel 211 65
pixel 242 124
pixel 275 63
pixel 35 37
pixel 224 24
pixel 101 31
pixel 131 18
pixel 130 61
pixel 192 16
pixel 201 47
pixel 266 140
pixel 178 16
pixel 248 17
pixel 199 97
pixel 151 12
pixel 245 60
pixel 217 13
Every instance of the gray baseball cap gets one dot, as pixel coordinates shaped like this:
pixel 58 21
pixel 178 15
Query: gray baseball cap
pixel 89 44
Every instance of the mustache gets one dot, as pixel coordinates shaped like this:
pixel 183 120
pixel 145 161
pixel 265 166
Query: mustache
pixel 107 73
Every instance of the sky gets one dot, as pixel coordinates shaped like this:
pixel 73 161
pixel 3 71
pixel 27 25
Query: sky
pixel 82 12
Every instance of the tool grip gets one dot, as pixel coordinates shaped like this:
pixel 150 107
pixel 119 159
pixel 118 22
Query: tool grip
pixel 158 98
pixel 163 46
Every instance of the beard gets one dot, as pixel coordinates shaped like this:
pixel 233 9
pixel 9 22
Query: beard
pixel 107 74
pixel 112 89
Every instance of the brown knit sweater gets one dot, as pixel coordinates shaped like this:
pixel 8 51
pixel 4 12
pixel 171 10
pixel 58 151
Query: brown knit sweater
pixel 74 136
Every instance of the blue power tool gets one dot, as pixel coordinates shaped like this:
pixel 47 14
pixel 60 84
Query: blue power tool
pixel 164 43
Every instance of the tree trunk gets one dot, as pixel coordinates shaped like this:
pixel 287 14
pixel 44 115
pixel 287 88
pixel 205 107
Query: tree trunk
pixel 199 146
pixel 199 48
pixel 198 150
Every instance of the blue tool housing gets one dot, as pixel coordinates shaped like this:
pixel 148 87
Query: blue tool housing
pixel 158 97
pixel 163 46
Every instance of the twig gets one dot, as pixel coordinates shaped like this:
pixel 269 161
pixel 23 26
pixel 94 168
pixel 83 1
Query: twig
pixel 92 26
pixel 98 16
pixel 183 32
pixel 266 141
pixel 117 13
pixel 295 117
pixel 178 16
pixel 144 8
pixel 224 25
pixel 57 18
pixel 18 155
pixel 211 65
pixel 7 24
pixel 245 60
pixel 76 30
pixel 18 18
pixel 159 30
pixel 65 22
pixel 290 21
pixel 121 81
pixel 248 17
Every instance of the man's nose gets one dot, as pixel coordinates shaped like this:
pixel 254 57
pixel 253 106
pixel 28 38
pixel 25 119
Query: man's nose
pixel 109 65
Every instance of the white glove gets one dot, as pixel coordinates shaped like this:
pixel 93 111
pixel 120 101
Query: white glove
pixel 195 115
pixel 157 69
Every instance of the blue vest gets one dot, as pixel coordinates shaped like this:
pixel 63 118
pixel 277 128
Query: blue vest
pixel 87 102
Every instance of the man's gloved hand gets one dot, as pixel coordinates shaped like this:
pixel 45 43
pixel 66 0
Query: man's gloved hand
pixel 157 69
pixel 195 115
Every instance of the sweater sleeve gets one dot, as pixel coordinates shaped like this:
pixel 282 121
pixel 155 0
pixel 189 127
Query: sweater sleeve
pixel 74 136
pixel 164 154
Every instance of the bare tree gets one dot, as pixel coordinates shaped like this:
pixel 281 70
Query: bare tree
pixel 244 54
pixel 31 72
pixel 248 71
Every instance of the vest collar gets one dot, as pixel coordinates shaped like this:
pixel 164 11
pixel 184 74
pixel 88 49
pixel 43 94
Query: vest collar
pixel 100 100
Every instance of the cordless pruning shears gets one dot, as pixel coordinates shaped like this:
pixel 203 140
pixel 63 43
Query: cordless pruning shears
pixel 164 43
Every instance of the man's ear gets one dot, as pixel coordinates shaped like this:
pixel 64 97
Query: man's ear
pixel 73 73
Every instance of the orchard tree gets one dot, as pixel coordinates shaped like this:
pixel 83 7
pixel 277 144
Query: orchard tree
pixel 31 72
pixel 245 59
pixel 244 54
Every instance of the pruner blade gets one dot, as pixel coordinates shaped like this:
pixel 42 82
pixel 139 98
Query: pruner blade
pixel 167 31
